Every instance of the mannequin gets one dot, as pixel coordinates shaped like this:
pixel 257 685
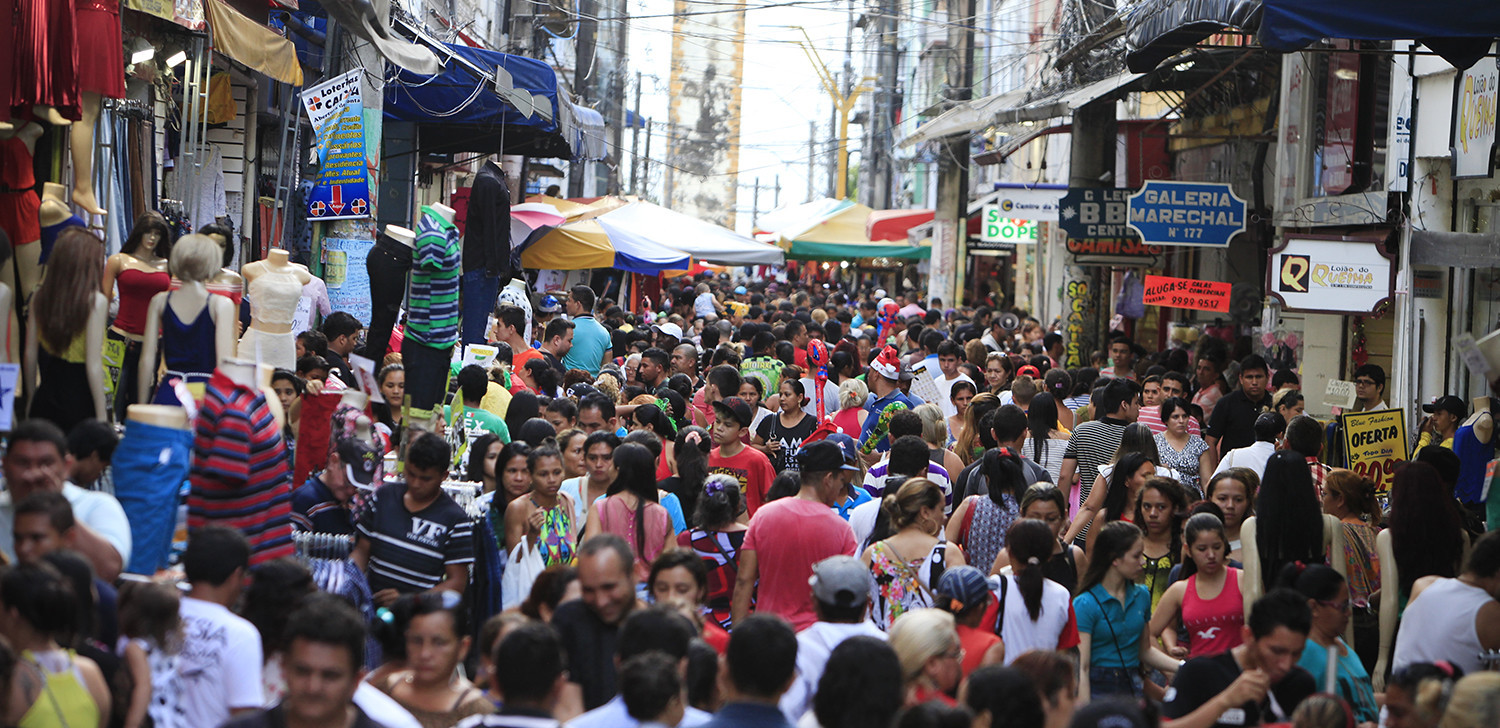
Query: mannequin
pixel 1474 444
pixel 101 72
pixel 432 316
pixel 225 282
pixel 81 142
pixel 514 294
pixel 19 207
pixel 275 286
pixel 64 372
pixel 140 271
pixel 186 322
pixel 486 250
pixel 1390 606
pixel 388 264
pixel 44 72
pixel 1333 543
pixel 54 216
pixel 149 466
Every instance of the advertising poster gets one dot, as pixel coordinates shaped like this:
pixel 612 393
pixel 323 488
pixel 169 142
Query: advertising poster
pixel 1374 443
pixel 1187 293
pixel 336 110
pixel 348 280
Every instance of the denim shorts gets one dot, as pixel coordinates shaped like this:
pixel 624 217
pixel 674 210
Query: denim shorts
pixel 1114 681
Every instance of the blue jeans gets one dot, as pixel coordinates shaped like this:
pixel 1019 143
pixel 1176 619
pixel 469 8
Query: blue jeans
pixel 479 293
pixel 1114 681
pixel 149 468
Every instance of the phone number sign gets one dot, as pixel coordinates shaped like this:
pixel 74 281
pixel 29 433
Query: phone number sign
pixel 1187 293
pixel 1186 213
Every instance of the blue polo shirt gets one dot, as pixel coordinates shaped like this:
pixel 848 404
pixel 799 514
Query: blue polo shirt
pixel 845 506
pixel 590 341
pixel 1097 612
pixel 875 407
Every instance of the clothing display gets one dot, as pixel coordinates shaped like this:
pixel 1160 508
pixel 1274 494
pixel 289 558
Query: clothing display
pixel 276 349
pixel 125 372
pixel 189 351
pixel 44 61
pixel 313 434
pixel 432 311
pixel 239 469
pixel 274 296
pixel 388 265
pixel 1473 456
pixel 50 232
pixel 137 287
pixel 514 294
pixel 315 303
pixel 150 465
pixel 427 374
pixel 101 62
pixel 18 200
pixel 477 300
pixel 64 396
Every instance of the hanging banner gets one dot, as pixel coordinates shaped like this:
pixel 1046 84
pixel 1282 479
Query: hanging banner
pixel 336 110
pixel 1374 444
pixel 1187 293
pixel 1331 275
pixel 1186 213
pixel 1475 94
pixel 346 276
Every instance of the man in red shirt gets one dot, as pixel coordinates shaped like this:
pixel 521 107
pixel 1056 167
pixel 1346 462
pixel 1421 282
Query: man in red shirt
pixel 789 535
pixel 732 457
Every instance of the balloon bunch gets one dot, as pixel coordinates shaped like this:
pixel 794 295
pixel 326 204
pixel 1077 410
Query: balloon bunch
pixel 886 317
pixel 817 358
pixel 882 426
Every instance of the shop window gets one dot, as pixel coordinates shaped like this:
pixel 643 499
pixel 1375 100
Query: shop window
pixel 1351 93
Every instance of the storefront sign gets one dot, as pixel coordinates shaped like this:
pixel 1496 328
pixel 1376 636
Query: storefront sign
pixel 1096 222
pixel 186 13
pixel 336 110
pixel 1186 213
pixel 1374 444
pixel 1331 275
pixel 1022 202
pixel 996 228
pixel 1079 307
pixel 1475 94
pixel 1187 293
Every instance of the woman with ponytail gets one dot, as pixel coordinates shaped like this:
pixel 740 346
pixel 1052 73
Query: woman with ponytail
pixel 690 451
pixel 1329 600
pixel 905 568
pixel 718 536
pixel 1058 383
pixel 1032 612
pixel 1048 441
pixel 1112 612
pixel 979 523
pixel 630 509
pixel 1350 498
pixel 1208 601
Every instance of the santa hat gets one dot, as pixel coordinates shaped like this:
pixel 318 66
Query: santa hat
pixel 888 364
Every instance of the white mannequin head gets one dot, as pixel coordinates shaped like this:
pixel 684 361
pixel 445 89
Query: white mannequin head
pixel 195 258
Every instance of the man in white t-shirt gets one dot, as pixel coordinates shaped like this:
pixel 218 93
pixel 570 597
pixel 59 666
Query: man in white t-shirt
pixel 1268 429
pixel 948 355
pixel 219 667
pixel 841 594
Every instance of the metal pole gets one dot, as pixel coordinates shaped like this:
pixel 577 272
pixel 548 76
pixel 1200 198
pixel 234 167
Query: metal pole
pixel 812 145
pixel 646 160
pixel 635 136
pixel 755 204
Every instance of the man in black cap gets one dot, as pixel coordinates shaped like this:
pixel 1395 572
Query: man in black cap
pixel 1444 416
pixel 322 503
pixel 732 457
pixel 840 590
pixel 789 535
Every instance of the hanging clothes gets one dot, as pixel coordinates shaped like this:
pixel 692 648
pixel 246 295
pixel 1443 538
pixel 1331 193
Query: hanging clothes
pixel 150 466
pixel 239 472
pixel 44 61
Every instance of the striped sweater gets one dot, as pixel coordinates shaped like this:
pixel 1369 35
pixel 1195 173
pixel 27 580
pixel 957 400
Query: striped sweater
pixel 239 477
pixel 432 306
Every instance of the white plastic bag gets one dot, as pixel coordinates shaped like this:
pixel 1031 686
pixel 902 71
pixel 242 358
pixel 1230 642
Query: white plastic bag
pixel 521 569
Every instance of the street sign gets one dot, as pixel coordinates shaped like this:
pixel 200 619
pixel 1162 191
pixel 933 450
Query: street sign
pixel 1331 275
pixel 996 228
pixel 1186 213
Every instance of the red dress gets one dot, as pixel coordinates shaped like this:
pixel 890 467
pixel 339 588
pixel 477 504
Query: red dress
pixel 18 200
pixel 44 64
pixel 102 67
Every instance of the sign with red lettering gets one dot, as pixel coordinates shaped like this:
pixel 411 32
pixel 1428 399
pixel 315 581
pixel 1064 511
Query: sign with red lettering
pixel 1374 444
pixel 1187 293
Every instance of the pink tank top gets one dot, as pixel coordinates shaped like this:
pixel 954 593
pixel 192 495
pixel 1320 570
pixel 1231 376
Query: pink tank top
pixel 617 518
pixel 1213 625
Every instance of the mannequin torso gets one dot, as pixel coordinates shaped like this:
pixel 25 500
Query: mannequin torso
pixel 155 414
pixel 140 275
pixel 275 289
pixel 188 307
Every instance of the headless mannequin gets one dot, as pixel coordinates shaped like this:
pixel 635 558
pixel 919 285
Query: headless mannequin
pixel 187 304
pixel 93 356
pixel 402 235
pixel 158 415
pixel 25 251
pixel 445 211
pixel 1390 602
pixel 81 142
pixel 226 278
pixel 389 269
pixel 1482 422
pixel 271 315
pixel 1250 588
pixel 429 422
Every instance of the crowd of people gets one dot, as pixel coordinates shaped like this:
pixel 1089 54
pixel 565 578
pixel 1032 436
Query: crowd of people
pixel 768 504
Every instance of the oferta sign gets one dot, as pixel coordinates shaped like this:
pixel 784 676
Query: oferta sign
pixel 1186 213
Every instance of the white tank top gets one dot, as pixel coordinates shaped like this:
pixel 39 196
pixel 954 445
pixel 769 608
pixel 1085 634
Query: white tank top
pixel 1439 625
pixel 1022 635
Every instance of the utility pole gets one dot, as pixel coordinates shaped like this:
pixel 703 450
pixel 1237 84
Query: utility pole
pixel 755 204
pixel 776 199
pixel 646 160
pixel 812 147
pixel 877 156
pixel 838 167
pixel 945 280
pixel 843 103
pixel 666 198
pixel 635 136
pixel 584 82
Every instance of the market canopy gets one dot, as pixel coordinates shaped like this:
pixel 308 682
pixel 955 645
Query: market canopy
pixel 585 244
pixel 1011 108
pixel 893 224
pixel 809 250
pixel 841 236
pixel 800 214
pixel 1460 31
pixel 644 222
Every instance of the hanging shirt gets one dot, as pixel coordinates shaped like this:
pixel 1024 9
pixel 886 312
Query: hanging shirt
pixel 240 476
pixel 432 314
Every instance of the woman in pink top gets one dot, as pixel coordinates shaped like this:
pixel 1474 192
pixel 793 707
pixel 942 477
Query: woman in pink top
pixel 851 415
pixel 1208 602
pixel 630 509
pixel 1211 385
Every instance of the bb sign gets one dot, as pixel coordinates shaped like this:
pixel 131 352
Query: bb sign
pixel 996 228
pixel 1186 213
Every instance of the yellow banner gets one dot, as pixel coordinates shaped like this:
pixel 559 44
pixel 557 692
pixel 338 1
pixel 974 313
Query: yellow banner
pixel 186 13
pixel 1375 442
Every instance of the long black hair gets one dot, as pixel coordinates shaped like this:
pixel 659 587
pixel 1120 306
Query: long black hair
pixel 1041 419
pixel 1030 543
pixel 1002 469
pixel 150 222
pixel 474 470
pixel 1288 517
pixel 635 473
pixel 1113 541
pixel 1117 497
pixel 690 450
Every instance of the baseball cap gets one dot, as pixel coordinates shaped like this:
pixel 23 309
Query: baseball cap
pixel 361 459
pixel 736 408
pixel 740 291
pixel 887 364
pixel 1447 403
pixel 840 581
pixel 967 586
pixel 670 329
pixel 823 457
pixel 550 304
pixel 847 445
pixel 1029 371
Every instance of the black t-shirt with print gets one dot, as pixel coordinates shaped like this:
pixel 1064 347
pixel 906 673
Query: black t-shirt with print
pixel 1202 678
pixel 790 438
pixel 410 552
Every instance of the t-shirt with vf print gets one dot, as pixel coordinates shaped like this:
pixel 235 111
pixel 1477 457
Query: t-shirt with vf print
pixel 790 438
pixel 751 468
pixel 409 552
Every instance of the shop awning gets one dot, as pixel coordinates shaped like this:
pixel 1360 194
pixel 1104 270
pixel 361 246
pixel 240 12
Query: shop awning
pixel 1014 144
pixel 482 102
pixel 799 215
pixel 810 250
pixel 893 224
pixel 965 117
pixel 992 110
pixel 585 244
pixel 584 128
pixel 644 222
pixel 252 44
pixel 1460 31
pixel 1156 30
pixel 844 226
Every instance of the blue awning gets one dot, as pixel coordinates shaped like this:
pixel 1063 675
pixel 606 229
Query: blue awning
pixel 1460 31
pixel 483 101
